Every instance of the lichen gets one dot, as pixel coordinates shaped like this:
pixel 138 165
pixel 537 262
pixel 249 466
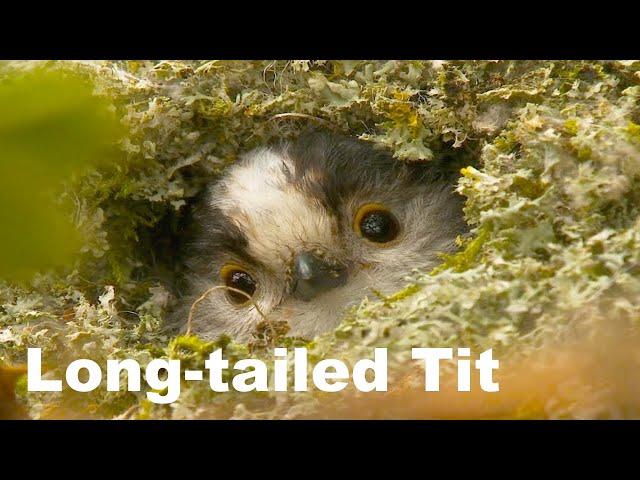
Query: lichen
pixel 552 200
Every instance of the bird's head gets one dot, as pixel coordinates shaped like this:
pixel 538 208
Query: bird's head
pixel 310 227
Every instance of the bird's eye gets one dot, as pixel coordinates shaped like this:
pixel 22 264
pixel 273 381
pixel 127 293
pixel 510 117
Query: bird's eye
pixel 235 277
pixel 376 223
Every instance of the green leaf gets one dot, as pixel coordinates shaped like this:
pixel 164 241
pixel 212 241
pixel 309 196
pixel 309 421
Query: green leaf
pixel 51 127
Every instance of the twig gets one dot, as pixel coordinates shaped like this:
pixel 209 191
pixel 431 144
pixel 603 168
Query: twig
pixel 218 287
pixel 127 414
pixel 304 115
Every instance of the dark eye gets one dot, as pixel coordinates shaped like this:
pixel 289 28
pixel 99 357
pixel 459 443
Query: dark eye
pixel 376 223
pixel 239 279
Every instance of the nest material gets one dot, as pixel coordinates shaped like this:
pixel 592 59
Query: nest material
pixel 552 199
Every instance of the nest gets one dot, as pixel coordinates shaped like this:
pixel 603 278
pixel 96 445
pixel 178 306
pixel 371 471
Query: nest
pixel 552 181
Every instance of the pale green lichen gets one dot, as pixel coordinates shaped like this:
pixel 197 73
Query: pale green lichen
pixel 552 198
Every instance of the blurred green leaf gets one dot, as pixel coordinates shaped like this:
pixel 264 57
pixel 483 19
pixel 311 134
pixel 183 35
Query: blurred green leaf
pixel 51 127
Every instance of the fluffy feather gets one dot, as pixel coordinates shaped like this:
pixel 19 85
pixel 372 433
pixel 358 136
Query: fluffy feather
pixel 281 200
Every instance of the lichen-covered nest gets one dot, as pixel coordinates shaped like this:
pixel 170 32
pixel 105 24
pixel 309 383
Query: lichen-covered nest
pixel 552 198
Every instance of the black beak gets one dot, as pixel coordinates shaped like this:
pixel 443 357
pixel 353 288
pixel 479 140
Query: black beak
pixel 314 276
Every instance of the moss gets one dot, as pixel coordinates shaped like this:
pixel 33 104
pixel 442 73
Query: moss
pixel 550 197
pixel 633 129
pixel 466 258
pixel 571 126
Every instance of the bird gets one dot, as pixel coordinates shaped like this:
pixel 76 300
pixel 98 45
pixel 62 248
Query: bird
pixel 301 230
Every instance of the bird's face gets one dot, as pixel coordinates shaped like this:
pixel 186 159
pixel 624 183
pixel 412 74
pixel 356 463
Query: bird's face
pixel 305 230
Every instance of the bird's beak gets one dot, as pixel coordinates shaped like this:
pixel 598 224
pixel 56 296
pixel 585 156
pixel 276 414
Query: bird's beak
pixel 314 276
